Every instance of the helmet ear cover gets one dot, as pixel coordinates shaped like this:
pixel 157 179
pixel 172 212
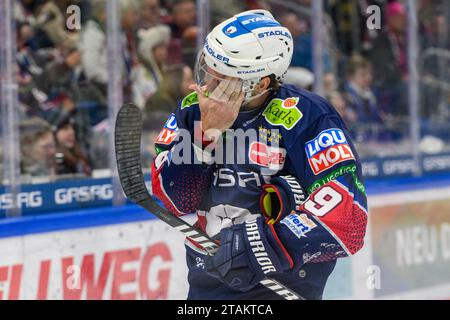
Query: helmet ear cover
pixel 250 84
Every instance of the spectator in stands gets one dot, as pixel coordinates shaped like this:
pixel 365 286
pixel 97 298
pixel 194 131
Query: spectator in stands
pixel 29 73
pixel 175 86
pixel 70 158
pixel 435 69
pixel 184 32
pixel 330 83
pixel 94 61
pixel 43 73
pixel 389 59
pixel 27 12
pixel 100 145
pixel 183 17
pixel 338 101
pixel 389 52
pixel 358 91
pixel 152 53
pixel 303 49
pixel 94 48
pixel 435 32
pixel 150 14
pixel 350 23
pixel 64 105
pixel 130 12
pixel 37 147
pixel 51 20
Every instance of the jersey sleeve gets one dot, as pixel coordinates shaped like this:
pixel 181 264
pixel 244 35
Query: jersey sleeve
pixel 331 222
pixel 180 173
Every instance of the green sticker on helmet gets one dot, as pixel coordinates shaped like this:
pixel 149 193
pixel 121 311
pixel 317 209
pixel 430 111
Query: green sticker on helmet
pixel 189 100
pixel 284 113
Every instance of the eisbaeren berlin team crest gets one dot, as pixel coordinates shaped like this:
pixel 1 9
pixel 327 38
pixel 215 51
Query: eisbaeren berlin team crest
pixel 283 113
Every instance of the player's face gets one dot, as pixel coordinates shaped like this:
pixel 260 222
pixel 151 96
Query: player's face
pixel 209 79
pixel 214 78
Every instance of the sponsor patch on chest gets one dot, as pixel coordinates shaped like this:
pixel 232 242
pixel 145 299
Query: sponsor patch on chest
pixel 283 112
pixel 267 156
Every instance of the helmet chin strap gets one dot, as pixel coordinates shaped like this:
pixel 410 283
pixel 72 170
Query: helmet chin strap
pixel 248 87
pixel 248 97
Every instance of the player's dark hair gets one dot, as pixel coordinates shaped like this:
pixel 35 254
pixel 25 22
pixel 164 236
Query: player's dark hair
pixel 274 82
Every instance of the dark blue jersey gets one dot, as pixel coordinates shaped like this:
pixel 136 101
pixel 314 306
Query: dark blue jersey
pixel 294 133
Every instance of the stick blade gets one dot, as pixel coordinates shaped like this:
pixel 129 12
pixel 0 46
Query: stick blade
pixel 127 140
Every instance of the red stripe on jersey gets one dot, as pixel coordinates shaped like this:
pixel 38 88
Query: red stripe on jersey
pixel 335 207
pixel 158 190
pixel 283 249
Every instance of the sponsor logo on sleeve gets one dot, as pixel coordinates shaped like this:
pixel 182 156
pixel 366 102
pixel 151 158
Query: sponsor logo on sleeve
pixel 341 171
pixel 299 224
pixel 283 112
pixel 267 156
pixel 169 132
pixel 329 148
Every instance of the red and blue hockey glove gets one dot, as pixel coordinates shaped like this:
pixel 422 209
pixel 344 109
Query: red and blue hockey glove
pixel 280 197
pixel 248 253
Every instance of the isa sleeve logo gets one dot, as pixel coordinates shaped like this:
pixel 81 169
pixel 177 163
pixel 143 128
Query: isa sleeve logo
pixel 329 148
pixel 169 132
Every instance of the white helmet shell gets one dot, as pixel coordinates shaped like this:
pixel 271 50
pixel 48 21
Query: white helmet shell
pixel 250 45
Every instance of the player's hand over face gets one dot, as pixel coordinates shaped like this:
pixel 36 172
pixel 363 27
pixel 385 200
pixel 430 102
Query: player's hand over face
pixel 220 108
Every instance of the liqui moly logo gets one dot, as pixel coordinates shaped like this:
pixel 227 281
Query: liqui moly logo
pixel 169 132
pixel 329 148
pixel 266 156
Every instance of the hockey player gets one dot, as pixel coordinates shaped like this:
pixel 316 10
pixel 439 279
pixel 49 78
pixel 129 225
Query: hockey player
pixel 284 203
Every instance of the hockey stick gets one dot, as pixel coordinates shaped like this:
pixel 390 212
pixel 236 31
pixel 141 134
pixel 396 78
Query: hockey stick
pixel 128 131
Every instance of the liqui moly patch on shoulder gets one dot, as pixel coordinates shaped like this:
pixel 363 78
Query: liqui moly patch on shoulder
pixel 329 148
pixel 169 132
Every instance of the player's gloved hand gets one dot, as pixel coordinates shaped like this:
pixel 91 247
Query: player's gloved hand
pixel 248 252
pixel 280 197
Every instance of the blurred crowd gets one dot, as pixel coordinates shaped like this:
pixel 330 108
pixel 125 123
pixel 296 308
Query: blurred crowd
pixel 63 76
pixel 63 72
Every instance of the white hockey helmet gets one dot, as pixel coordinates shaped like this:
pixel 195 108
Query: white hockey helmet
pixel 249 46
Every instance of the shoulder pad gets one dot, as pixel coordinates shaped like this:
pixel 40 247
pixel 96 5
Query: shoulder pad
pixel 189 100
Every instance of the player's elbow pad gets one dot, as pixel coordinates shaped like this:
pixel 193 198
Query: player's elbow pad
pixel 280 197
pixel 180 187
